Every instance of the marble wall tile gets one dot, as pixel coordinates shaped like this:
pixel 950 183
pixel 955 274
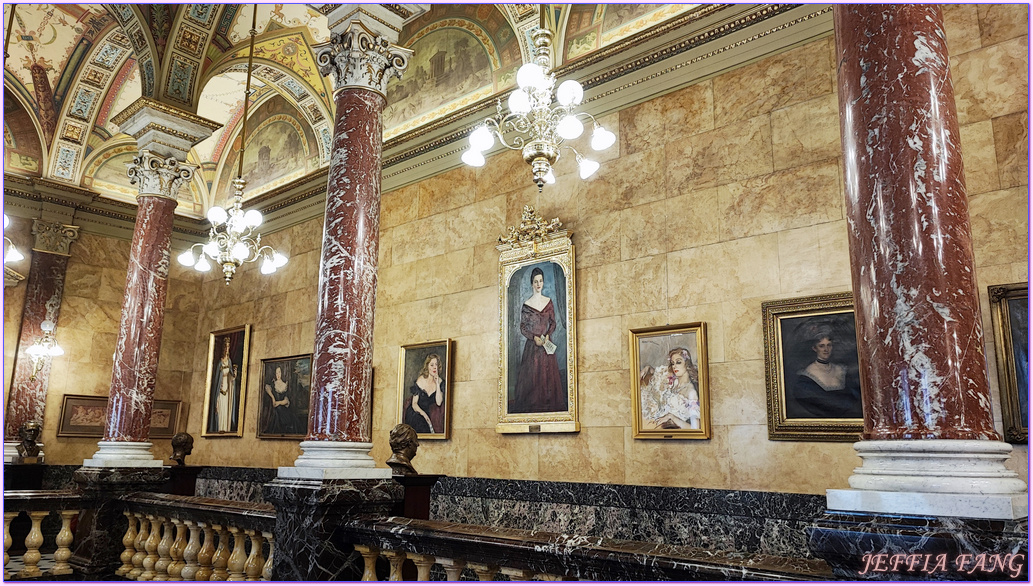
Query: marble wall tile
pixel 478 223
pixel 644 230
pixel 307 236
pixel 980 157
pixel 738 393
pixel 961 24
pixel 795 76
pixel 448 191
pixel 835 254
pixel 505 172
pixel 742 268
pixel 623 183
pixel 801 196
pixel 1002 22
pixel 786 466
pixel 711 314
pixel 597 240
pixel 424 238
pixel 613 408
pixel 1011 143
pixel 806 132
pixel 625 287
pixel 474 404
pixel 498 455
pixel 642 127
pixel 800 259
pixel 1000 230
pixel 599 343
pixel 476 357
pixel 470 312
pixel 399 206
pixel 991 81
pixel 688 111
pixel 691 219
pixel 728 153
pixel 639 320
pixel 594 454
pixel 674 463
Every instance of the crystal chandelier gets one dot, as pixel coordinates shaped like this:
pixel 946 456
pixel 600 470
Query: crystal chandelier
pixel 233 239
pixel 540 127
pixel 43 348
pixel 11 253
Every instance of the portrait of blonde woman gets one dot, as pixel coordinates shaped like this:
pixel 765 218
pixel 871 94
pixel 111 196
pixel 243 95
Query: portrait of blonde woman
pixel 669 382
pixel 424 388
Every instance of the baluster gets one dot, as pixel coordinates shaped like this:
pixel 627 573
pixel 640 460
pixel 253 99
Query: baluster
pixel 267 569
pixel 395 559
pixel 127 542
pixel 516 575
pixel 222 555
pixel 453 568
pixel 139 544
pixel 151 559
pixel 549 577
pixel 369 555
pixel 64 541
pixel 255 561
pixel 8 540
pixel 423 564
pixel 32 542
pixel 485 572
pixel 204 555
pixel 176 551
pixel 190 552
pixel 161 567
pixel 237 558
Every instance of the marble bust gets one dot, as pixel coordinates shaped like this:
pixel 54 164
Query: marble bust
pixel 29 432
pixel 182 446
pixel 403 447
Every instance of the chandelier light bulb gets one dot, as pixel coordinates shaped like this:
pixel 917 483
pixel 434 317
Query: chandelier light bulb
pixel 187 258
pixel 569 127
pixel 12 255
pixel 602 139
pixel 481 139
pixel 530 75
pixel 203 265
pixel 279 260
pixel 570 93
pixel 253 218
pixel 7 222
pixel 519 102
pixel 211 248
pixel 239 251
pixel 268 267
pixel 473 158
pixel 236 224
pixel 587 168
pixel 550 178
pixel 216 215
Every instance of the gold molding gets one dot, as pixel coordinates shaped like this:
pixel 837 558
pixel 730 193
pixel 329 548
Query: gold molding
pixel 144 102
pixel 398 9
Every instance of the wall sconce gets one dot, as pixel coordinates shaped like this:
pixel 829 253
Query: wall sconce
pixel 44 347
pixel 11 253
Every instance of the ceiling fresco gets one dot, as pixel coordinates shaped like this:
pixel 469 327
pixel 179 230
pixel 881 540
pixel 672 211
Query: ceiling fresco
pixel 591 27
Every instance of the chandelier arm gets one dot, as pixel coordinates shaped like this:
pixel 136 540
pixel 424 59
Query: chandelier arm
pixel 247 91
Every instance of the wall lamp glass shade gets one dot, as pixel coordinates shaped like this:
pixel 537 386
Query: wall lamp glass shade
pixel 570 93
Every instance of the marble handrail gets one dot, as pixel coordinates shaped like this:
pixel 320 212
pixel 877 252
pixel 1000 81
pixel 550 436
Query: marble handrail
pixel 173 538
pixel 38 504
pixel 522 554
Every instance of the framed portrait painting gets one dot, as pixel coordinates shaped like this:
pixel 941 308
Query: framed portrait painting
pixel 284 396
pixel 227 379
pixel 425 388
pixel 538 365
pixel 811 369
pixel 83 416
pixel 670 386
pixel 1009 309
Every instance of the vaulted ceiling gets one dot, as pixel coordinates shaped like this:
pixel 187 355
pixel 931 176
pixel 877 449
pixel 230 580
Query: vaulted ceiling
pixel 73 67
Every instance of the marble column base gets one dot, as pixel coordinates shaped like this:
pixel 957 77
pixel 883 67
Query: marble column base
pixel 861 546
pixel 953 478
pixel 322 460
pixel 123 455
pixel 11 450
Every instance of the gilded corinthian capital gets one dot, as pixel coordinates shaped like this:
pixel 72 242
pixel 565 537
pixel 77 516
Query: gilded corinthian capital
pixel 359 58
pixel 158 176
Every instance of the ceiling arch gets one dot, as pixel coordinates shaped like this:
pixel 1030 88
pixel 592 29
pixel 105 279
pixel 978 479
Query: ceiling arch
pixel 24 153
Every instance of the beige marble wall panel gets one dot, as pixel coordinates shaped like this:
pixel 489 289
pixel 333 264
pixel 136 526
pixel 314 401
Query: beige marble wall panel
pixel 738 393
pixel 596 452
pixel 1000 229
pixel 801 196
pixel 785 79
pixel 744 328
pixel 475 404
pixel 980 157
pixel 626 182
pixel 642 127
pixel 806 133
pixel 504 172
pixel 728 153
pixel 604 399
pixel 625 287
pixel 710 313
pixel 835 255
pixel 100 251
pixel 1011 143
pixel 470 312
pixel 306 236
pixel 799 260
pixel 692 220
pixel 423 238
pixel 688 111
pixel 485 269
pixel 86 314
pixel 478 223
pixel 448 191
pixel 644 230
pixel 742 268
pixel 399 206
pixel 597 240
pixel 83 279
pixel 961 24
pixel 992 81
pixel 1001 22
pixel 599 343
pixel 498 455
pixel 759 464
pixel 397 325
pixel 477 357
pixel 690 463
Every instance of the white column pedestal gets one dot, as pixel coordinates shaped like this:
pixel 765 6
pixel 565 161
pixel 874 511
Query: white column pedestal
pixel 947 478
pixel 123 455
pixel 321 460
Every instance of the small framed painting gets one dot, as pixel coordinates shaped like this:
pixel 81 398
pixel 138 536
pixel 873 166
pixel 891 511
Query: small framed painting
pixel 425 389
pixel 670 386
pixel 811 369
pixel 165 416
pixel 1009 308
pixel 83 416
pixel 227 379
pixel 284 396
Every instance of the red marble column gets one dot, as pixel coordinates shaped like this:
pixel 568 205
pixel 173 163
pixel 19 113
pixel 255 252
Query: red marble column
pixel 28 395
pixel 340 396
pixel 919 330
pixel 128 417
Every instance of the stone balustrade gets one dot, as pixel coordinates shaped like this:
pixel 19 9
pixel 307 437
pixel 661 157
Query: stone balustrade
pixel 38 505
pixel 181 538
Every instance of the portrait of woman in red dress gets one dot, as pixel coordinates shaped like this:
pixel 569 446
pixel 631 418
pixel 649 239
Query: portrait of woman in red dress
pixel 539 386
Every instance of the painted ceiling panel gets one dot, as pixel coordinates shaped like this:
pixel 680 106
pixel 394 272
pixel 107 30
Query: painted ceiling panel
pixel 591 27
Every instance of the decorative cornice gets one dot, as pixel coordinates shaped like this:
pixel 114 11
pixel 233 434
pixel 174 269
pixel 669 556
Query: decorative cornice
pixel 141 103
pixel 367 13
pixel 159 176
pixel 12 277
pixel 398 9
pixel 54 237
pixel 359 58
pixel 326 9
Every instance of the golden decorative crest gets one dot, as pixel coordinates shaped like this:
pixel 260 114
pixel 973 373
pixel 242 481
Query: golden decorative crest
pixel 533 228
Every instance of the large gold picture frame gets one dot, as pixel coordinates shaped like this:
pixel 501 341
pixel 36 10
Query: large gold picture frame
pixel 811 369
pixel 670 382
pixel 226 389
pixel 1009 311
pixel 416 373
pixel 537 329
